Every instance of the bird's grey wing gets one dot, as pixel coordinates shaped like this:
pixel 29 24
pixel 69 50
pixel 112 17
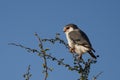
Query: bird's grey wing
pixel 80 38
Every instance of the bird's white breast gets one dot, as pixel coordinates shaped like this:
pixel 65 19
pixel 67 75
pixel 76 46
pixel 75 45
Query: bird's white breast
pixel 80 49
pixel 70 42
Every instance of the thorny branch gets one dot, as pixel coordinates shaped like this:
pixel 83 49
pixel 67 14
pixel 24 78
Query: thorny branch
pixel 82 70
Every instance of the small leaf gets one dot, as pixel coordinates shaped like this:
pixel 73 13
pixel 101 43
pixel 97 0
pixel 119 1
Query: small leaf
pixel 76 67
pixel 44 65
pixel 51 69
pixel 53 58
pixel 59 63
pixel 47 49
pixel 67 65
pixel 39 54
pixel 70 68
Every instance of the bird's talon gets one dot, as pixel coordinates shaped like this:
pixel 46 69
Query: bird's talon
pixel 72 50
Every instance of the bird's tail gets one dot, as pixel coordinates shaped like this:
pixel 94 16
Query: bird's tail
pixel 91 54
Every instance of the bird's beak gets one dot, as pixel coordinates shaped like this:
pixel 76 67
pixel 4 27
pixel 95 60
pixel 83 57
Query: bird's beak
pixel 64 29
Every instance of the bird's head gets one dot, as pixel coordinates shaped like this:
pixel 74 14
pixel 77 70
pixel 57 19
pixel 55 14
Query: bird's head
pixel 70 27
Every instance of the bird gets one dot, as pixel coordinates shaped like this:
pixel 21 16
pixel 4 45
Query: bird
pixel 78 41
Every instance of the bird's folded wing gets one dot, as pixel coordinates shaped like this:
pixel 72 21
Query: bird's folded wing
pixel 80 38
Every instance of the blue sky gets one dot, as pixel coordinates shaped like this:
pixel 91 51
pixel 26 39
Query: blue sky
pixel 20 19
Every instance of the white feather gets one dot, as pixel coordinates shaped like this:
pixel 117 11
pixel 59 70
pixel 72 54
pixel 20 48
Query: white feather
pixel 80 49
pixel 70 42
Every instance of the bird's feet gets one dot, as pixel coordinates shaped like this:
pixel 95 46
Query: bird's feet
pixel 72 50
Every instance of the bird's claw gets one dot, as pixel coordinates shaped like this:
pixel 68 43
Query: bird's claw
pixel 72 50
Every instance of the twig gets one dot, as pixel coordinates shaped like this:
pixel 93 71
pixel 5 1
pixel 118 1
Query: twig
pixel 44 56
pixel 95 78
pixel 56 39
pixel 27 75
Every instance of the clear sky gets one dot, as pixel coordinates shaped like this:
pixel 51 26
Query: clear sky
pixel 19 19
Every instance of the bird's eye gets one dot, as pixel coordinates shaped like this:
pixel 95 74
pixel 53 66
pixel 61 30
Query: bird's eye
pixel 67 27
